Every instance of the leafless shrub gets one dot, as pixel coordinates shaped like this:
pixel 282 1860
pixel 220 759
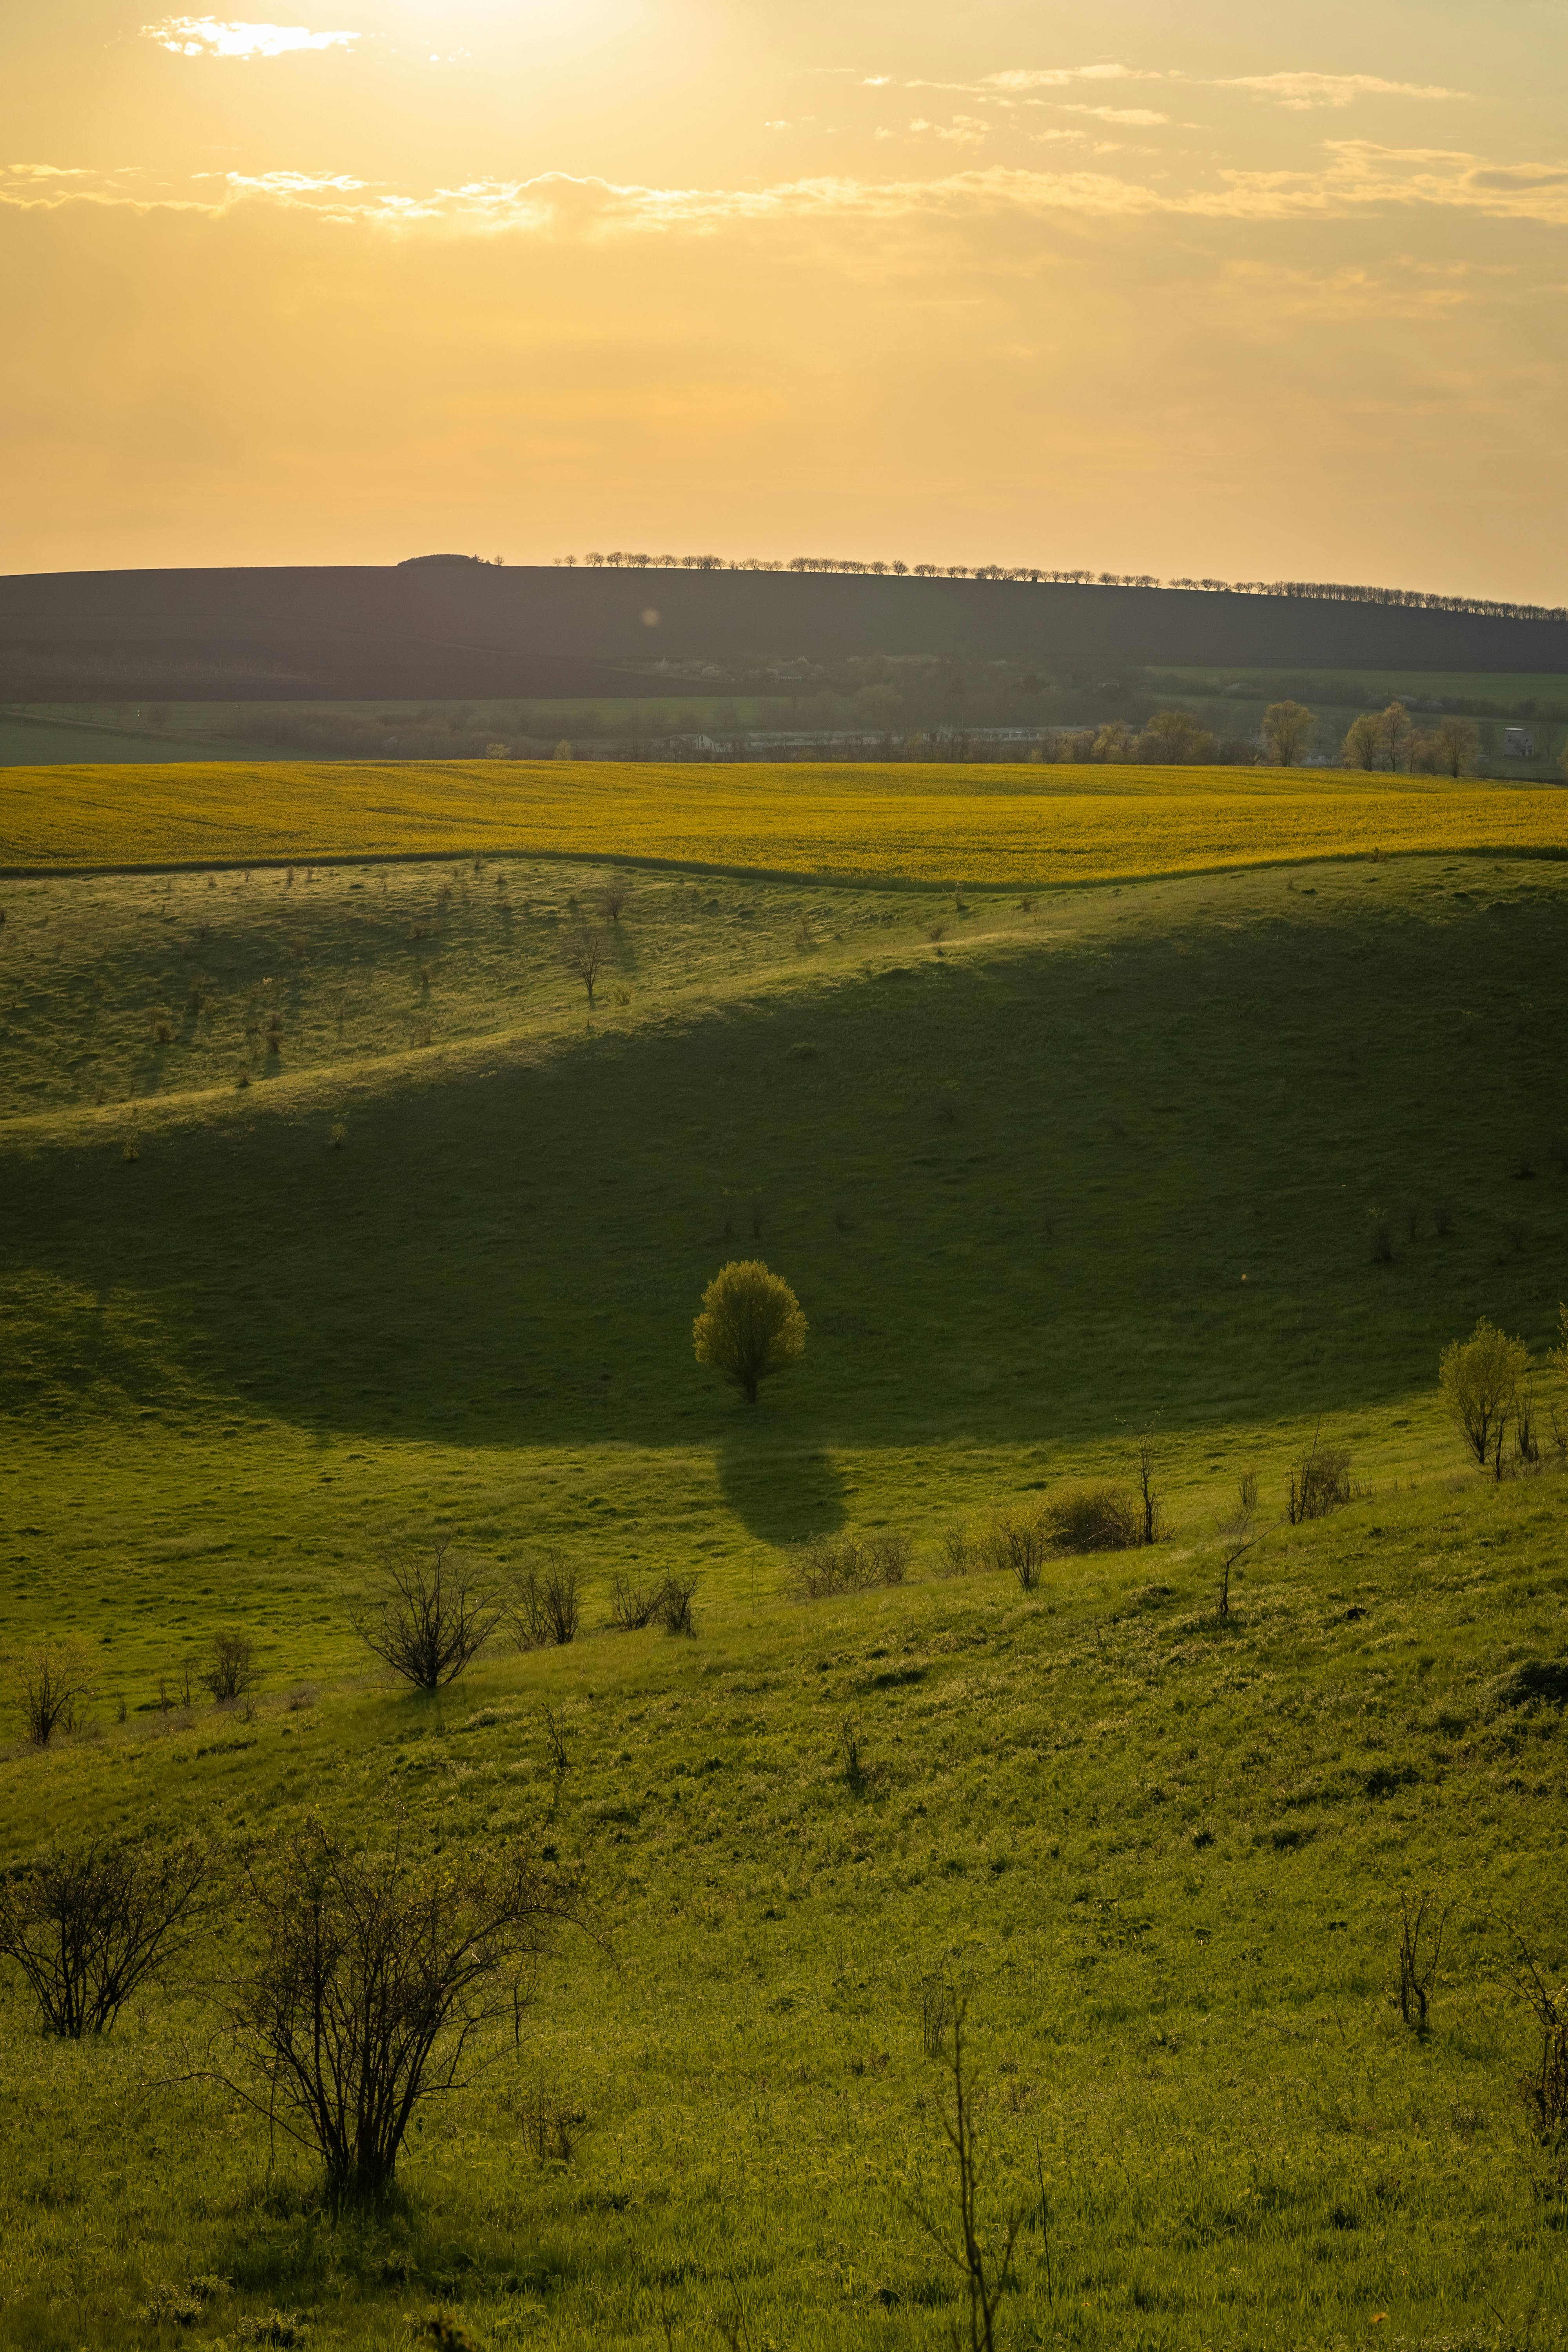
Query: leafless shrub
pixel 848 1563
pixel 87 1928
pixel 1154 1522
pixel 852 1760
pixel 1544 2090
pixel 1019 1541
pixel 52 1679
pixel 983 2258
pixel 374 1987
pixel 433 1617
pixel 546 1605
pixel 1319 1483
pixel 1420 1925
pixel 958 1551
pixel 676 1596
pixel 633 1606
pixel 1246 1493
pixel 1099 1515
pixel 613 897
pixel 583 953
pixel 551 2123
pixel 230 1670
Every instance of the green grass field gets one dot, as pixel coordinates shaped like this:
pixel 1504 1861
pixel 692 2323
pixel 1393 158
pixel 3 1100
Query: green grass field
pixel 1108 1162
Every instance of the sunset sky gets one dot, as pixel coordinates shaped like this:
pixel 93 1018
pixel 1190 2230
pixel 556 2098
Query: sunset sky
pixel 1224 289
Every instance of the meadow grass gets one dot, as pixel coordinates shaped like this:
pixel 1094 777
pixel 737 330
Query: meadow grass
pixel 1030 825
pixel 1109 1162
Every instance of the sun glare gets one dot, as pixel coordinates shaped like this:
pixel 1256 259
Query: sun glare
pixel 212 36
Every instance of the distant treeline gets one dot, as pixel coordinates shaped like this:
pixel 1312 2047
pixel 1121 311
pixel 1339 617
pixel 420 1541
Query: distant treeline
pixel 1331 591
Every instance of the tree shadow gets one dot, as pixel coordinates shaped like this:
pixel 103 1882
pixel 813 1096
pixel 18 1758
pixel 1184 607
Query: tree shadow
pixel 782 1489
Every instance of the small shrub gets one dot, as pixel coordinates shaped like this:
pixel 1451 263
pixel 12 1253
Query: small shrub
pixel 613 898
pixel 633 1606
pixel 432 1618
pixel 87 1928
pixel 751 1324
pixel 547 1607
pixel 1319 1483
pixel 52 1680
pixel 230 1668
pixel 675 1597
pixel 163 1034
pixel 1102 1517
pixel 957 1551
pixel 1544 2090
pixel 551 2124
pixel 1481 1378
pixel 286 2329
pixel 1420 1951
pixel 1247 1493
pixel 1020 1542
pixel 827 1565
pixel 852 1760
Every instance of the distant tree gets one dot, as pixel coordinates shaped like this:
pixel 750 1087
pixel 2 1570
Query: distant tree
pixel 87 1928
pixel 751 1324
pixel 1113 742
pixel 431 1617
pixel 1176 735
pixel 1286 731
pixel 1459 746
pixel 613 898
pixel 1393 735
pixel 1481 1379
pixel 1364 742
pixel 583 953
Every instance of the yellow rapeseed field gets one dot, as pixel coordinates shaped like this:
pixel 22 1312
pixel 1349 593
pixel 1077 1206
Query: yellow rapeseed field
pixel 1001 825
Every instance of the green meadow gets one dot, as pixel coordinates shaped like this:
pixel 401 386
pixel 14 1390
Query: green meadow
pixel 336 1218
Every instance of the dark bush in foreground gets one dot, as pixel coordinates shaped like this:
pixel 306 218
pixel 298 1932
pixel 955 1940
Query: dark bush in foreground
pixel 548 1606
pixel 375 1982
pixel 87 1928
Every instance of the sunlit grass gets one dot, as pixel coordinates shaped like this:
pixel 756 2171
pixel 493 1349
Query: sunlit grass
pixel 1020 825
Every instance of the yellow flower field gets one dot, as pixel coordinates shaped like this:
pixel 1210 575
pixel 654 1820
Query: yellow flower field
pixel 1001 825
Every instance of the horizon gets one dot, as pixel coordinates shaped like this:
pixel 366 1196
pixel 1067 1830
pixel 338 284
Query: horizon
pixel 1204 298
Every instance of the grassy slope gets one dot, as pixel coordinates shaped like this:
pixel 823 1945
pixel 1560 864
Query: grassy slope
pixel 1019 1187
pixel 991 823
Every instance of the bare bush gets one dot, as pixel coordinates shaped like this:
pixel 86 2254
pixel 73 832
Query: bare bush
pixel 230 1670
pixel 376 1984
pixel 1153 1528
pixel 1019 1541
pixel 850 1563
pixel 1544 2090
pixel 433 1617
pixel 613 898
pixel 633 1606
pixel 583 953
pixel 676 1596
pixel 1320 1482
pixel 547 1605
pixel 983 2258
pixel 88 1928
pixel 958 1551
pixel 1097 1517
pixel 1421 1931
pixel 52 1680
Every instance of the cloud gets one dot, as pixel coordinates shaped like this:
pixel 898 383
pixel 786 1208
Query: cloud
pixel 1301 90
pixel 1357 177
pixel 1059 76
pixel 1118 113
pixel 209 37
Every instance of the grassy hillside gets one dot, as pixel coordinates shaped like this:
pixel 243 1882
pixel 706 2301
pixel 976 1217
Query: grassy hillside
pixel 1028 826
pixel 1111 1162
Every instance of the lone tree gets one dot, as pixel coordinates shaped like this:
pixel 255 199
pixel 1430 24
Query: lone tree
pixel 1286 731
pixel 1458 747
pixel 583 953
pixel 1481 1378
pixel 376 1983
pixel 751 1324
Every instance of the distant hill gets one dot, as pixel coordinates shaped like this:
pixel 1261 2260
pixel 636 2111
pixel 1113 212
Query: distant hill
pixel 450 627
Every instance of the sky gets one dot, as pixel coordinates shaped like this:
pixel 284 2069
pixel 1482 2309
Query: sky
pixel 1216 290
